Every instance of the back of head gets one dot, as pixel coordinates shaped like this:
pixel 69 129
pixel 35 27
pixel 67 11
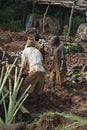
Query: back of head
pixel 30 42
pixel 55 40
pixel 37 35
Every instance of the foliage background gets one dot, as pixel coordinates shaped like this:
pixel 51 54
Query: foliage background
pixel 13 14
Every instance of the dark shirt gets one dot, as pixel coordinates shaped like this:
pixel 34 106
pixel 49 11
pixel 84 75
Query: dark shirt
pixel 37 36
pixel 59 59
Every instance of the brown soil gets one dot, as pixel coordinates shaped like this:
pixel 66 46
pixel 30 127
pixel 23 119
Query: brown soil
pixel 71 97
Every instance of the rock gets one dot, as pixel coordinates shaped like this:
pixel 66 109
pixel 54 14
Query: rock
pixel 51 24
pixel 81 33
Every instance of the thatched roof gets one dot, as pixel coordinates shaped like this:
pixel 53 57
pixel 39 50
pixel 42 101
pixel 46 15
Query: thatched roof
pixel 80 4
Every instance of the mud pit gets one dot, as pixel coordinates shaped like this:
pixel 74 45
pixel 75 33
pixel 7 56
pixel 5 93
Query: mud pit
pixel 71 97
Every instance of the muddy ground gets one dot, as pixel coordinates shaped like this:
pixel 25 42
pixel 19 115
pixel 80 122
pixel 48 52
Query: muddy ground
pixel 71 97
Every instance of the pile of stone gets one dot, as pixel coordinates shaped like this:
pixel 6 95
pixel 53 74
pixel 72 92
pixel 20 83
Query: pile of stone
pixel 81 34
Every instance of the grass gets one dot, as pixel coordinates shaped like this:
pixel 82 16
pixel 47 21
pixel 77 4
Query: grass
pixel 77 121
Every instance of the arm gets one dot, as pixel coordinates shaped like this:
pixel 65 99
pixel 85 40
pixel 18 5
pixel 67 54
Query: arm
pixel 23 60
pixel 62 56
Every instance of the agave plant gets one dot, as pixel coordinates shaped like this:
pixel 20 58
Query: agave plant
pixel 11 94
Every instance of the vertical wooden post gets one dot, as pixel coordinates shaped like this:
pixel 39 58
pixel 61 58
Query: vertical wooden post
pixel 70 19
pixel 44 17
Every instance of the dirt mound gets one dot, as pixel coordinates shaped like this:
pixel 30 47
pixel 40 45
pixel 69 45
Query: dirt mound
pixel 15 46
pixel 16 126
pixel 71 97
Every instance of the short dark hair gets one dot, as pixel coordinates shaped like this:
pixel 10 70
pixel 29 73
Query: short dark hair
pixel 55 40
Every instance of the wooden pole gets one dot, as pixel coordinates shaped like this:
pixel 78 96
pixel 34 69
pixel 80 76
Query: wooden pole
pixel 44 17
pixel 70 19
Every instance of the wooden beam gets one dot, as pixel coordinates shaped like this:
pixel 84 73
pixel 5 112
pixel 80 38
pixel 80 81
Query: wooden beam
pixel 64 3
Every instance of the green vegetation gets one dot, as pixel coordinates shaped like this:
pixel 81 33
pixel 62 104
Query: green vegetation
pixel 73 48
pixel 65 34
pixel 13 14
pixel 77 121
pixel 69 45
pixel 9 95
pixel 76 21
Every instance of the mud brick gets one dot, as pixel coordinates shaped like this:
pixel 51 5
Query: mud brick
pixel 16 126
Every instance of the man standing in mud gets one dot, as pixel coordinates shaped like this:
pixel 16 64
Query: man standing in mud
pixel 59 68
pixel 33 60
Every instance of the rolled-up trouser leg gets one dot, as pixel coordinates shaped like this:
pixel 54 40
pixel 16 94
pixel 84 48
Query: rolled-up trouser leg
pixel 61 77
pixel 53 78
pixel 58 77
